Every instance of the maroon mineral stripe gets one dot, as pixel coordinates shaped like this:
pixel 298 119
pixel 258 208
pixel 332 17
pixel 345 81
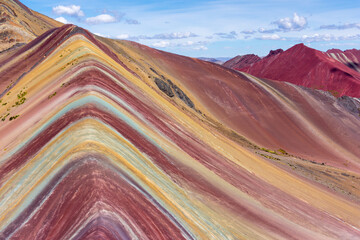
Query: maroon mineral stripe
pixel 89 186
pixel 103 228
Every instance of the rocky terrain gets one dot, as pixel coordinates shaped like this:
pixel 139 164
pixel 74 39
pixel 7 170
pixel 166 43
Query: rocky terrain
pixel 20 25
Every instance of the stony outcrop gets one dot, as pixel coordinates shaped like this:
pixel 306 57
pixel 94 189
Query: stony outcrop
pixel 164 86
pixel 180 94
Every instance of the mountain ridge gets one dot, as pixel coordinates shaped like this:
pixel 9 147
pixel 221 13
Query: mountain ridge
pixel 20 25
pixel 98 139
pixel 219 60
pixel 308 67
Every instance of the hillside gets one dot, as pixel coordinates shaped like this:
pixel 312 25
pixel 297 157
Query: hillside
pixel 20 25
pixel 110 139
pixel 350 58
pixel 242 61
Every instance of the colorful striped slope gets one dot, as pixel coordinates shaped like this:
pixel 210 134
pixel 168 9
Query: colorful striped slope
pixel 105 139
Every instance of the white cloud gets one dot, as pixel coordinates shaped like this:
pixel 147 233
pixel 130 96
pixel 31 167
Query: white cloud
pixel 132 21
pixel 328 37
pixel 248 31
pixel 230 35
pixel 123 36
pixel 270 37
pixel 161 44
pixel 200 45
pixel 71 10
pixel 174 35
pixel 188 43
pixel 263 30
pixel 338 44
pixel 203 48
pixel 102 18
pixel 165 36
pixel 296 23
pixel 317 37
pixel 62 20
pixel 341 26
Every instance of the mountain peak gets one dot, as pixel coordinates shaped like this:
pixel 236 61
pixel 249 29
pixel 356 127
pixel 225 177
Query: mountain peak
pixel 301 47
pixel 274 52
pixel 20 25
pixel 242 61
pixel 20 5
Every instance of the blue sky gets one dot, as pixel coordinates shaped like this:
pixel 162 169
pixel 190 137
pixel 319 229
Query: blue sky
pixel 215 28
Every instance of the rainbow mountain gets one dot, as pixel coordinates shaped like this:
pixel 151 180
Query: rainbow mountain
pixel 109 139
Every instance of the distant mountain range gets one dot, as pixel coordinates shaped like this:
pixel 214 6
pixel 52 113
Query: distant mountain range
pixel 219 60
pixel 335 71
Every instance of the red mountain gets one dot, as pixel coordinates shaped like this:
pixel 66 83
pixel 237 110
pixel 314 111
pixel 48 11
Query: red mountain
pixel 311 68
pixel 242 61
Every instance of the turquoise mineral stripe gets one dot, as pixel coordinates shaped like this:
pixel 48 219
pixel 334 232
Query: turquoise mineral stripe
pixel 81 102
